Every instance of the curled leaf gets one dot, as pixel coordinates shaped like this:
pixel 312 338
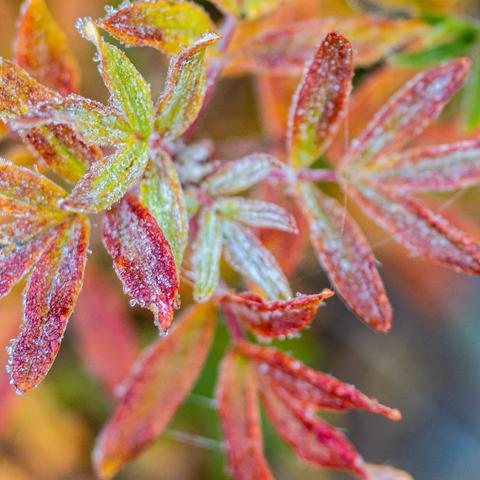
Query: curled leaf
pixel 422 231
pixel 129 90
pixel 157 385
pixel 50 297
pixel 275 319
pixel 320 103
pixel 240 419
pixel 142 258
pixel 41 49
pixel 251 259
pixel 207 251
pixel 182 99
pixel 256 213
pixel 407 113
pixel 240 175
pixel 438 168
pixel 312 389
pixel 161 192
pixel 314 441
pixel 165 25
pixel 107 180
pixel 346 257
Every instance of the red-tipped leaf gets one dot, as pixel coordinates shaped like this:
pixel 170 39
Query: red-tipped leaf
pixel 142 258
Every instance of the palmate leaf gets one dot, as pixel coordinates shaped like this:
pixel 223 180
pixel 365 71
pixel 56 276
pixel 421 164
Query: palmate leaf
pixel 422 231
pixel 58 146
pixel 346 256
pixel 250 258
pixel 438 168
pixel 313 440
pixel 320 102
pixel 237 400
pixel 50 296
pixel 108 179
pixel 256 213
pixel 161 192
pixel 142 258
pixel 129 91
pixel 207 251
pixel 166 25
pixel 41 49
pixel 240 175
pixel 284 49
pixel 184 92
pixel 406 114
pixel 157 385
pixel 274 319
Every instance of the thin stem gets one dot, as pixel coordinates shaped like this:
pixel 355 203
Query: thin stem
pixel 232 323
pixel 319 175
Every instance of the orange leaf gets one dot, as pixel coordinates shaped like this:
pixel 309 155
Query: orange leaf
pixel 407 113
pixel 314 440
pixel 142 258
pixel 278 318
pixel 50 297
pixel 238 410
pixel 41 49
pixel 314 390
pixel 320 102
pixel 346 256
pixel 422 231
pixel 157 385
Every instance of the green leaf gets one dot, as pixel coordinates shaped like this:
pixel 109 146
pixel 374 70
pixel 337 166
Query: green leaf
pixel 183 97
pixel 130 93
pixel 471 98
pixel 161 193
pixel 109 179
pixel 207 251
pixel 165 25
pixel 250 258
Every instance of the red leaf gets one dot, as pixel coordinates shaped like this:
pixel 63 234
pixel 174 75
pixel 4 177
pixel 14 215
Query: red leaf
pixel 408 112
pixel 437 168
pixel 345 255
pixel 320 102
pixel 422 231
pixel 385 472
pixel 41 49
pixel 50 297
pixel 105 336
pixel 157 385
pixel 277 318
pixel 314 441
pixel 310 388
pixel 238 410
pixel 142 258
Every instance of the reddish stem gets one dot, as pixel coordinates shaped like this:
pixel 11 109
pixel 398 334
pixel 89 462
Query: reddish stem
pixel 320 175
pixel 233 325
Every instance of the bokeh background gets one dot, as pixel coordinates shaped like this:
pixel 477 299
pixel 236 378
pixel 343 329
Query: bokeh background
pixel 428 366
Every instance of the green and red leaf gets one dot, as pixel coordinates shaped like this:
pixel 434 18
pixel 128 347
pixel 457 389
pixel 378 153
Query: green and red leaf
pixel 313 440
pixel 237 399
pixel 436 168
pixel 142 258
pixel 345 255
pixel 422 231
pixel 157 385
pixel 166 25
pixel 320 103
pixel 274 319
pixel 314 390
pixel 182 99
pixel 41 49
pixel 50 297
pixel 407 113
